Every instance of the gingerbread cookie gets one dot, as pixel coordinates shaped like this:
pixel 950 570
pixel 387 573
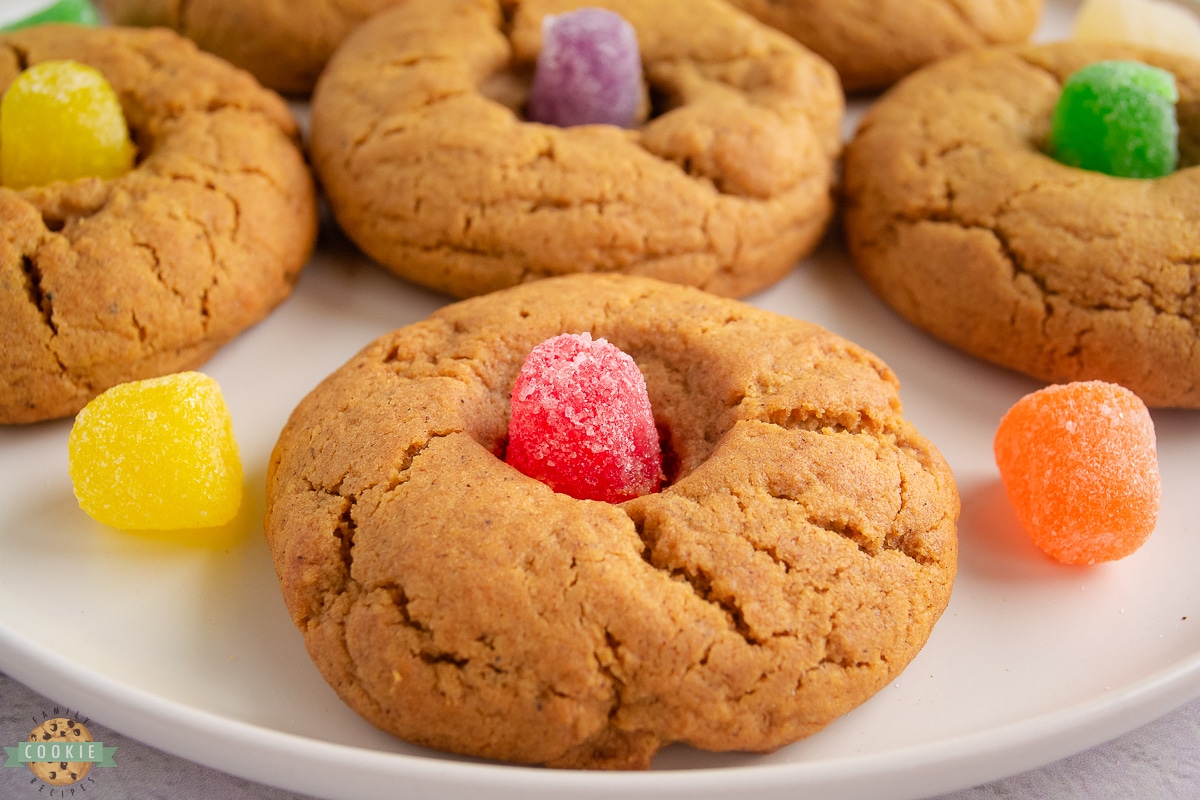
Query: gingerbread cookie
pixel 796 559
pixel 284 45
pixel 873 44
pixel 957 218
pixel 419 140
pixel 104 281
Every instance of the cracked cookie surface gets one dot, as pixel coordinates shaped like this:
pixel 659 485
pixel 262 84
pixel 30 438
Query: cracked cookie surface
pixel 290 43
pixel 802 550
pixel 873 44
pixel 957 219
pixel 418 139
pixel 108 281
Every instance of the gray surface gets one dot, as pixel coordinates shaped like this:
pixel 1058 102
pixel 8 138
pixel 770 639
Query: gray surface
pixel 1160 760
pixel 141 772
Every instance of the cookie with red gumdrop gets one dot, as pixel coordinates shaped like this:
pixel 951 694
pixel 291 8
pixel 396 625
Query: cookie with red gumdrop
pixel 794 560
pixel 1079 462
pixel 582 422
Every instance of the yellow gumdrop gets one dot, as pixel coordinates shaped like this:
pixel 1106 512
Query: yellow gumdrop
pixel 61 120
pixel 157 454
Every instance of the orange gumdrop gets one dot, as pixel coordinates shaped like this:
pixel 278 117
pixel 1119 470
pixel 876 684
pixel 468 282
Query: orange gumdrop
pixel 1079 462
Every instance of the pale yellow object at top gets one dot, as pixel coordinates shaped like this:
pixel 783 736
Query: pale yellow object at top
pixel 157 454
pixel 1160 24
pixel 59 121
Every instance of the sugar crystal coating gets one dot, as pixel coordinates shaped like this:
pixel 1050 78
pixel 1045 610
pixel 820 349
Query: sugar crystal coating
pixel 157 454
pixel 1117 117
pixel 61 120
pixel 589 71
pixel 1079 462
pixel 581 421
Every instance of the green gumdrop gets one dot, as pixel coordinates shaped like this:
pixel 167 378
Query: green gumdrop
pixel 1117 117
pixel 80 12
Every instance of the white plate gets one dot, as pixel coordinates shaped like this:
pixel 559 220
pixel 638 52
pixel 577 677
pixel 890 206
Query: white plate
pixel 188 647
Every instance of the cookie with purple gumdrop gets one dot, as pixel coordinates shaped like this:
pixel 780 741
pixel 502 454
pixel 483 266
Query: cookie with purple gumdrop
pixel 436 118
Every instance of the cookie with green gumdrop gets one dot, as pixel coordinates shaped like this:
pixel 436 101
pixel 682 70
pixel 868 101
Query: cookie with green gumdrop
pixel 1117 117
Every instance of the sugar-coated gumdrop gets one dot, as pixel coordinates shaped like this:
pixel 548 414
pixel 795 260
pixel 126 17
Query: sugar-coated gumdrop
pixel 1079 462
pixel 79 12
pixel 582 423
pixel 157 454
pixel 1161 24
pixel 61 120
pixel 1117 117
pixel 589 71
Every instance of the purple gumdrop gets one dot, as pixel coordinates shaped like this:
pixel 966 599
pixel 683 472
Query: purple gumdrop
pixel 588 72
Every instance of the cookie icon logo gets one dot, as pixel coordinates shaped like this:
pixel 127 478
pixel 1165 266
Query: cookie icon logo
pixel 53 734
pixel 60 751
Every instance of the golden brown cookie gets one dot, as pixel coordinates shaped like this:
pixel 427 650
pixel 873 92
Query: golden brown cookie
pixel 802 549
pixel 60 730
pixel 283 44
pixel 108 281
pixel 957 219
pixel 874 43
pixel 430 168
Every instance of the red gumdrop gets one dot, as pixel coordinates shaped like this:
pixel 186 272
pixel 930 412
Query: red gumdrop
pixel 581 421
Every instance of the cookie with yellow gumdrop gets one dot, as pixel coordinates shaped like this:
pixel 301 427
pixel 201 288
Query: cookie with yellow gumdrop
pixel 152 272
pixel 59 121
pixel 157 454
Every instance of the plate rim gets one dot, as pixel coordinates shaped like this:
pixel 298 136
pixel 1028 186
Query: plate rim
pixel 921 770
